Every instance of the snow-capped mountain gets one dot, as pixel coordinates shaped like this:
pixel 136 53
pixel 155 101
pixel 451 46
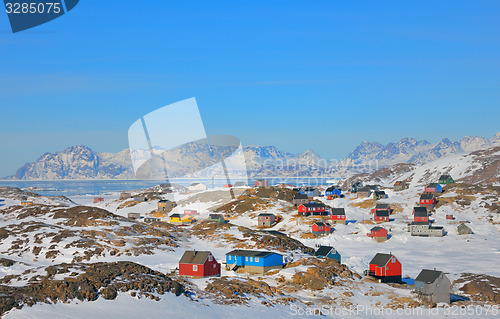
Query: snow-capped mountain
pixel 200 160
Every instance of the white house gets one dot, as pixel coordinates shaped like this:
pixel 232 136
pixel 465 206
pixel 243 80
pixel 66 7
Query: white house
pixel 197 187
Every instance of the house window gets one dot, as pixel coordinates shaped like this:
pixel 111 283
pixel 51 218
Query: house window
pixel 210 258
pixel 214 265
pixel 246 258
pixel 256 259
pixel 195 267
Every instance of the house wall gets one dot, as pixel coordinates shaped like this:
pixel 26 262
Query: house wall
pixel 438 291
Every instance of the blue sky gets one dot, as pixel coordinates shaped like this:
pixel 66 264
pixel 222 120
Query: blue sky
pixel 321 75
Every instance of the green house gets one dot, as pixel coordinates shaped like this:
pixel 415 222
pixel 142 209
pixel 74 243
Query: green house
pixel 151 219
pixel 445 180
pixel 216 218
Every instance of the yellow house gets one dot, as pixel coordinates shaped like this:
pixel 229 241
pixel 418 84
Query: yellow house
pixel 26 203
pixel 180 219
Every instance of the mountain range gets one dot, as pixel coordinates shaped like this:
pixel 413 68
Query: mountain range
pixel 196 160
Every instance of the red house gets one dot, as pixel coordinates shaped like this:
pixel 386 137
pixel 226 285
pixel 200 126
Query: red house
pixel 381 216
pixel 428 201
pixel 378 233
pixel 312 209
pixel 450 216
pixel 338 216
pixel 386 268
pixel 321 228
pixel 98 199
pixel 228 185
pixel 420 214
pixel 433 188
pixel 198 264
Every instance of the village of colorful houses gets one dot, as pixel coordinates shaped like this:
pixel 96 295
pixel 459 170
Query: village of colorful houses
pixel 430 285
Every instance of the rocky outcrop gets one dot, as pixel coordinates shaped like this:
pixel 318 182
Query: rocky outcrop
pixel 87 282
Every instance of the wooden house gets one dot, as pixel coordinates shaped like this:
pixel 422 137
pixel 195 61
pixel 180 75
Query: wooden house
pixel 386 268
pixel 355 186
pixel 165 205
pixel 450 217
pixel 266 219
pixel 300 199
pixel 425 229
pixel 228 185
pixel 379 234
pixel 98 200
pixel 434 188
pixel 134 215
pixel 379 195
pixel 151 219
pixel 261 183
pixel 26 203
pixel 199 264
pixel 333 192
pixel 420 214
pixel 445 179
pixel 400 186
pixel 125 195
pixel 428 201
pixel 364 192
pixel 140 198
pixel 381 216
pixel 463 229
pixel 337 216
pixel 312 209
pixel 180 219
pixel 328 252
pixel 433 286
pixel 310 191
pixel 197 187
pixel 219 218
pixel 321 228
pixel 253 261
pixel 190 212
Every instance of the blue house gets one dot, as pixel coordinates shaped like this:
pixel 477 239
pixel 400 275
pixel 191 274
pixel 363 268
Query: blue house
pixel 328 252
pixel 333 191
pixel 253 261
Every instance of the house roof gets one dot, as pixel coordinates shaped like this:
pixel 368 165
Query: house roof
pixel 381 259
pixel 433 185
pixel 175 216
pixel 194 257
pixel 320 224
pixel 420 212
pixel 427 196
pixel 323 251
pixel 194 184
pixel 376 228
pixel 428 276
pixel 444 176
pixel 379 193
pixel 338 211
pixel 419 223
pixel 266 214
pixel 250 253
pixel 300 196
pixel 331 189
pixel 163 201
pixel 309 189
pixel 382 213
pixel 383 206
pixel 314 205
pixel 215 216
pixel 364 189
